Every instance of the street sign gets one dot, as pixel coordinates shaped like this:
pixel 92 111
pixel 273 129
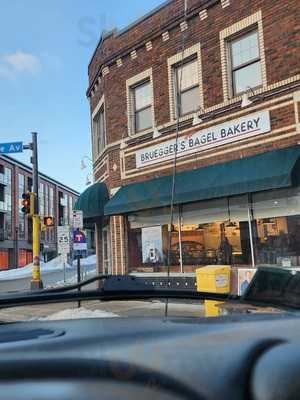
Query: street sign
pixel 77 219
pixel 13 147
pixel 79 240
pixel 63 240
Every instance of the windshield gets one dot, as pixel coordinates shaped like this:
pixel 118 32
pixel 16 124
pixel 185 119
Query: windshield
pixel 151 144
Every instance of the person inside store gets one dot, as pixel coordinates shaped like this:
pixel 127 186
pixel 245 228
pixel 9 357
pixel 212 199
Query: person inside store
pixel 225 251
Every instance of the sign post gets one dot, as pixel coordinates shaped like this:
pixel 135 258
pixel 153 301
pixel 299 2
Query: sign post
pixel 18 147
pixel 63 244
pixel 79 245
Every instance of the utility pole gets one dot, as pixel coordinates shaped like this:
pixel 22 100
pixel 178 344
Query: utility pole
pixel 36 282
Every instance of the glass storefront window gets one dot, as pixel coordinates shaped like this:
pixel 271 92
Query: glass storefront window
pixel 149 240
pixel 203 233
pixel 216 232
pixel 242 231
pixel 277 227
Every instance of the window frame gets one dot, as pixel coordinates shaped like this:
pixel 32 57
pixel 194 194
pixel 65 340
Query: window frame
pixel 232 70
pixel 138 110
pixel 178 94
pixel 234 30
pixel 97 128
pixel 177 58
pixel 100 106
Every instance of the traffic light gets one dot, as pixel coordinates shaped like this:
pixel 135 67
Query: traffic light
pixel 26 203
pixel 48 221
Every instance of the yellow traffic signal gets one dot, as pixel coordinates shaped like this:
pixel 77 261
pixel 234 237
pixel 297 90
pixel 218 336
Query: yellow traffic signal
pixel 49 221
pixel 28 203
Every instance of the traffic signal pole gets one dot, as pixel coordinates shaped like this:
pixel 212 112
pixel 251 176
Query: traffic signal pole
pixel 36 282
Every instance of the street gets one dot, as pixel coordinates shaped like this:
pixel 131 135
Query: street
pixel 49 279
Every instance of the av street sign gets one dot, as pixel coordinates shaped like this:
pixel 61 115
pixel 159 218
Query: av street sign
pixel 13 147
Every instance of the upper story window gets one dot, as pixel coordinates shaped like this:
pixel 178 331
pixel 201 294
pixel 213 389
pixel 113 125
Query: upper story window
pixel 187 87
pixel 245 62
pixel 142 101
pixel 99 130
pixel 185 83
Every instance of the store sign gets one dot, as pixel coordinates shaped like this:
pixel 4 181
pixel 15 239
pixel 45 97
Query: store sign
pixel 152 245
pixel 232 131
pixel 245 276
pixel 79 240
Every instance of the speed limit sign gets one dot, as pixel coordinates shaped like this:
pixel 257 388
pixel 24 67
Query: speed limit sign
pixel 63 240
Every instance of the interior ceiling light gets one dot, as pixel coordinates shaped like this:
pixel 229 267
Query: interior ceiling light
pixel 230 224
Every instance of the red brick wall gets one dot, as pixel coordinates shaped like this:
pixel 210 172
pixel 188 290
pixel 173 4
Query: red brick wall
pixel 282 48
pixel 281 30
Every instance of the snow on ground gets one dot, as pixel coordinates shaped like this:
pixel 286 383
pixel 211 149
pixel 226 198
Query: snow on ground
pixel 54 265
pixel 78 313
pixel 85 275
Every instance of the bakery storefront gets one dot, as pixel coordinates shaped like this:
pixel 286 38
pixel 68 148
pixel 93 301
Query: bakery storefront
pixel 243 213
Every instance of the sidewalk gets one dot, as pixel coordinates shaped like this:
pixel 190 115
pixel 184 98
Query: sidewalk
pixel 120 308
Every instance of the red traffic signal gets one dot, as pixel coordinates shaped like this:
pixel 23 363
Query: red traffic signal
pixel 26 203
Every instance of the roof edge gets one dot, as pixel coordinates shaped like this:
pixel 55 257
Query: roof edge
pixel 105 35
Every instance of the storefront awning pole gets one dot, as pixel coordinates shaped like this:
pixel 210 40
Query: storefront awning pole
pixel 179 237
pixel 250 231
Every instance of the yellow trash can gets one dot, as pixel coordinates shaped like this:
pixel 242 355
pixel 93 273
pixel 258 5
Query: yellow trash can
pixel 213 279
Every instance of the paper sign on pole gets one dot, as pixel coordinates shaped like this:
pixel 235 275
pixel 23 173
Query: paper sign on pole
pixel 77 219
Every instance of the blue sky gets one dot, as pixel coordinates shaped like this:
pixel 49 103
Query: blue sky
pixel 44 53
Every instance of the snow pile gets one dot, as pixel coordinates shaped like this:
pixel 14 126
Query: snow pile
pixel 73 279
pixel 54 265
pixel 91 260
pixel 78 313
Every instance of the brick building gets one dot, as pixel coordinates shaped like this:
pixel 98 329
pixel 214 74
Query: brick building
pixel 222 82
pixel 56 199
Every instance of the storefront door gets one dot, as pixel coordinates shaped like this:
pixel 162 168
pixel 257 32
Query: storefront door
pixel 106 251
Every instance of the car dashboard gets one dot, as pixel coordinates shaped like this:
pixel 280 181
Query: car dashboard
pixel 230 357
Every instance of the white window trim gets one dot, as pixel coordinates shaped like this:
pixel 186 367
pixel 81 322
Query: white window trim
pixel 135 80
pixel 255 20
pixel 100 104
pixel 193 50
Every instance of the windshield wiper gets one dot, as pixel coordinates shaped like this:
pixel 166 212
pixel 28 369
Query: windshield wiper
pixel 113 289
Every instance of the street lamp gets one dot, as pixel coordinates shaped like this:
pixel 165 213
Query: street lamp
pixel 246 101
pixel 83 164
pixel 156 133
pixel 89 180
pixel 197 116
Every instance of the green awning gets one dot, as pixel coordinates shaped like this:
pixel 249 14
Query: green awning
pixel 272 170
pixel 92 201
